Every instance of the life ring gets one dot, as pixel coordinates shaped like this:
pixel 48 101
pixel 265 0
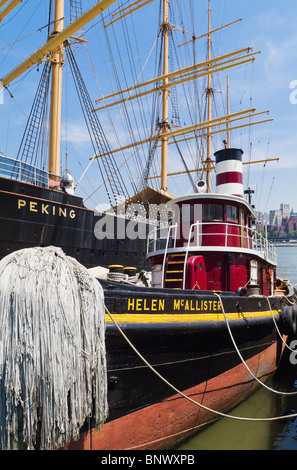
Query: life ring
pixel 289 320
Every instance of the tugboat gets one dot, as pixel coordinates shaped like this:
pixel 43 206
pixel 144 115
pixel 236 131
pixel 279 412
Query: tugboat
pixel 214 325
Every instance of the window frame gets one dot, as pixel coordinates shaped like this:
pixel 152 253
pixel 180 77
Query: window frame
pixel 230 219
pixel 212 215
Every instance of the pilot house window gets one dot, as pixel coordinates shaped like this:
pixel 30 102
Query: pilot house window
pixel 231 214
pixel 212 212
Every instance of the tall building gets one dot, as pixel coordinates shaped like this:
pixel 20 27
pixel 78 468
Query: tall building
pixel 276 216
pixel 285 209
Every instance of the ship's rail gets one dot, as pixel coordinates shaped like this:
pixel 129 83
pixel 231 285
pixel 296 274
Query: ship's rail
pixel 20 171
pixel 211 236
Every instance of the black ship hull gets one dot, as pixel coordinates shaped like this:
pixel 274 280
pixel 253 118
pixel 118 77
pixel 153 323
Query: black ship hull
pixel 32 215
pixel 183 336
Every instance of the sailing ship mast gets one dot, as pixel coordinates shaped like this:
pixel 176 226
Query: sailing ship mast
pixel 209 104
pixel 54 46
pixel 164 125
pixel 228 112
pixel 56 94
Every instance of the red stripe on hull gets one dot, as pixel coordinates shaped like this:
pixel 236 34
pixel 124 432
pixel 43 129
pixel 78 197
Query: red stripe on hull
pixel 229 177
pixel 161 425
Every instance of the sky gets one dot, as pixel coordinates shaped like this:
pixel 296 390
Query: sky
pixel 270 84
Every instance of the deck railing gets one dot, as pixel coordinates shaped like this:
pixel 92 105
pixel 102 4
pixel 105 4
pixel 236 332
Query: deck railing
pixel 213 236
pixel 18 170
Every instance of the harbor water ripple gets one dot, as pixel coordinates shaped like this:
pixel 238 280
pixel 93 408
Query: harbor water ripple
pixel 229 434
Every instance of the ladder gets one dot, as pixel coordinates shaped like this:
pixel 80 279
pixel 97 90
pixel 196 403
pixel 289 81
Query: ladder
pixel 174 275
pixel 29 144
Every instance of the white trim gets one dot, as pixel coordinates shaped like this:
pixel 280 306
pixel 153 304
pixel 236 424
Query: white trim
pixel 229 166
pixel 230 188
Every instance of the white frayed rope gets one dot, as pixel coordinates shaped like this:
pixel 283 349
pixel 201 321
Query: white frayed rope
pixel 52 349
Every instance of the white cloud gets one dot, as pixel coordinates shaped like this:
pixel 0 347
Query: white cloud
pixel 76 133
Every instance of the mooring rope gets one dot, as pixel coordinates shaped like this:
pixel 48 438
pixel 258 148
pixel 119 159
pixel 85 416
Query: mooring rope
pixel 179 392
pixel 241 358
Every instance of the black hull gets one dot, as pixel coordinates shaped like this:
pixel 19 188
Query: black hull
pixel 35 216
pixel 196 356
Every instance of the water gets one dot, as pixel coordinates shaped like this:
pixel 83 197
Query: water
pixel 229 434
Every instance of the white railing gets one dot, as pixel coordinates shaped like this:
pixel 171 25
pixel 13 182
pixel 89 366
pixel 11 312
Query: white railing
pixel 246 238
pixel 161 238
pixel 18 170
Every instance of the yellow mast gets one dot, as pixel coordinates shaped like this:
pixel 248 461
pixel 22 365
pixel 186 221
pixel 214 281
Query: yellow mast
pixel 198 170
pixel 183 75
pixel 8 8
pixel 164 125
pixel 209 96
pixel 56 94
pixel 228 112
pixel 201 126
pixel 2 2
pixel 58 39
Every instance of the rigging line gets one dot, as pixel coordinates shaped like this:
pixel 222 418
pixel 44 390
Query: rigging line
pixel 89 182
pixel 198 107
pixel 123 106
pixel 12 45
pixel 96 133
pixel 116 75
pixel 8 124
pixel 186 95
pixel 13 96
pixel 112 128
pixel 97 189
pixel 250 129
pixel 43 146
pixel 98 85
pixel 31 135
pixel 261 183
pixel 99 22
pixel 269 193
pixel 16 13
pixel 138 55
pixel 134 74
pixel 124 73
pixel 25 37
pixel 185 165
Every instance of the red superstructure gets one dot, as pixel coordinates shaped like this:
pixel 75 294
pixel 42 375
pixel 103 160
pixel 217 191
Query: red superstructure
pixel 211 244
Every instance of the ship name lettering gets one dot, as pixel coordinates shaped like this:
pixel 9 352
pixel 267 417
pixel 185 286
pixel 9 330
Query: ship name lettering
pixel 197 305
pixel 156 305
pixel 146 305
pixel 46 209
